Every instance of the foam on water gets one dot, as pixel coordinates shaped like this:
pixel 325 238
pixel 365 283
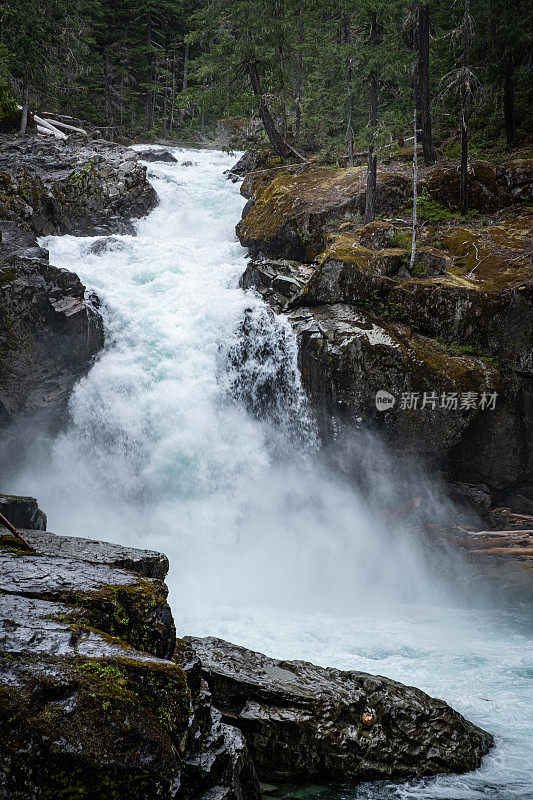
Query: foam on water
pixel 176 443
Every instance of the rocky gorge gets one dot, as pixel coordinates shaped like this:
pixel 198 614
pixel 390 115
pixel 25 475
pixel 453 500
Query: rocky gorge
pixel 99 697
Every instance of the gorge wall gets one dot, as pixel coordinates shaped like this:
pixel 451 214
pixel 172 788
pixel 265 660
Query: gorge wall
pixel 450 341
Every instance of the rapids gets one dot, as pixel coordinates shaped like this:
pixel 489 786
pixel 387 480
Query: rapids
pixel 169 446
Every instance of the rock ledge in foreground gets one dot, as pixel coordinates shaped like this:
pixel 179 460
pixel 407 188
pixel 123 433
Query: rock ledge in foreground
pixel 301 721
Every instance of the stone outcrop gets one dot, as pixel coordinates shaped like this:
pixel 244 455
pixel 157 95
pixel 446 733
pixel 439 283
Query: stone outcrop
pixel 81 188
pixel 301 721
pixel 22 512
pixel 291 216
pixel 486 192
pixel 456 325
pixel 157 155
pixel 49 333
pixel 50 330
pixel 92 701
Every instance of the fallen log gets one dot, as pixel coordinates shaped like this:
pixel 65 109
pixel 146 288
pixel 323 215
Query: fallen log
pixel 64 125
pixel 504 551
pixel 47 126
pixel 11 528
pixel 480 542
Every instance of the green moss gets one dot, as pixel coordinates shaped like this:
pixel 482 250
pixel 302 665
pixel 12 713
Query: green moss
pixel 288 197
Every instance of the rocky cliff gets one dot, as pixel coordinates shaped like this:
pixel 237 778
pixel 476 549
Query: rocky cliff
pixel 50 330
pixel 448 341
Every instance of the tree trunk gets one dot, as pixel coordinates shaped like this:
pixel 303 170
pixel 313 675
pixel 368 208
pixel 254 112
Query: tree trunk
pixel 149 109
pixel 25 104
pixel 371 180
pixel 299 71
pixel 173 93
pixel 281 67
pixel 415 191
pixel 184 81
pixel 509 108
pixel 349 102
pixel 422 91
pixel 465 110
pixel 274 136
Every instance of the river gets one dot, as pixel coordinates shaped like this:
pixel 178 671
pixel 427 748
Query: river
pixel 268 548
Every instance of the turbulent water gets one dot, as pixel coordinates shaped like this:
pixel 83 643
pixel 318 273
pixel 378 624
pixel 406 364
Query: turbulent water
pixel 182 440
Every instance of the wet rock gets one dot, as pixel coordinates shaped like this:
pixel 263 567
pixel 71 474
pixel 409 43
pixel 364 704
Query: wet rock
pixel 277 280
pixel 157 155
pixel 49 331
pixel 113 600
pixel 81 188
pixel 82 712
pixel 22 512
pixel 248 162
pixel 49 334
pixel 347 355
pixel 107 244
pixel 147 563
pixel 461 322
pixel 217 764
pixel 303 722
pixel 474 496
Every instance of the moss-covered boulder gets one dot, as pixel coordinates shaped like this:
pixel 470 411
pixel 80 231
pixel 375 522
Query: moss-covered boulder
pixel 113 600
pixel 291 214
pixel 83 713
pixel 486 192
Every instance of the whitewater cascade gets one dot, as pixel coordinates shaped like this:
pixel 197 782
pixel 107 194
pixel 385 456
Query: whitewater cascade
pixel 191 435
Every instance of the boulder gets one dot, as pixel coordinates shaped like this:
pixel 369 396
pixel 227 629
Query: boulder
pixel 292 212
pixel 22 512
pixel 49 335
pixel 347 355
pixel 80 188
pixel 518 175
pixel 157 155
pixel 83 714
pixel 248 162
pixel 114 600
pixel 303 722
pixel 88 708
pixel 485 192
pixel 278 280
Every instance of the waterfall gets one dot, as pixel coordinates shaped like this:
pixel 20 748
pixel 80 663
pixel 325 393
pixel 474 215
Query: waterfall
pixel 191 434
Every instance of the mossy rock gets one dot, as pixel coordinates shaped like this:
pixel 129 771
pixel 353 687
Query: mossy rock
pixel 288 216
pixel 82 714
pixel 485 192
